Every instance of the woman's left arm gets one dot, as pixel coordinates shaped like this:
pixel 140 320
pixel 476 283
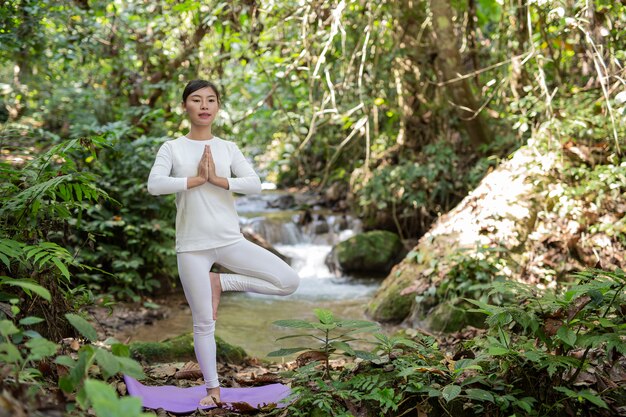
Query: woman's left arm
pixel 247 181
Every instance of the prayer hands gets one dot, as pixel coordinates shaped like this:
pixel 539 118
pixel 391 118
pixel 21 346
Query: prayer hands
pixel 206 167
pixel 203 166
pixel 206 172
pixel 211 175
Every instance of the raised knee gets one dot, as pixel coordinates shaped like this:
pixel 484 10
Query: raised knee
pixel 291 284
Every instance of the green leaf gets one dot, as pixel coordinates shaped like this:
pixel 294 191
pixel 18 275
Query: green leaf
pixel 584 394
pixel 61 267
pixel 368 356
pixel 105 402
pixel 479 394
pixel 29 286
pixel 108 363
pixel 27 321
pixel 358 324
pixel 291 336
pixel 66 384
pixel 130 367
pixel 9 353
pixel 295 324
pixel 450 392
pixel 498 351
pixel 120 349
pixel 322 326
pixel 343 346
pixel 286 351
pixel 566 335
pixel 65 361
pixel 5 260
pixel 41 348
pixel 526 403
pixel 82 326
pixel 593 398
pixel 7 328
pixel 324 316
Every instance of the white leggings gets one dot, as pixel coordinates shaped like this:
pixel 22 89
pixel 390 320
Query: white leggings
pixel 265 273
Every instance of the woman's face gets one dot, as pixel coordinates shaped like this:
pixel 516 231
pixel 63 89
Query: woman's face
pixel 202 106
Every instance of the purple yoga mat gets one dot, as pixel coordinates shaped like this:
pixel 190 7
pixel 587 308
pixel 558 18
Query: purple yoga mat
pixel 187 400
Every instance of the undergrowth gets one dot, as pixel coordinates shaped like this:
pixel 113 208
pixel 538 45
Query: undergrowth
pixel 544 353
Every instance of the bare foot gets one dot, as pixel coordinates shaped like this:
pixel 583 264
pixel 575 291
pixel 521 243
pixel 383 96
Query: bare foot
pixel 216 291
pixel 212 397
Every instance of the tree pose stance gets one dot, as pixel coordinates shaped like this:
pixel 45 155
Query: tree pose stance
pixel 204 170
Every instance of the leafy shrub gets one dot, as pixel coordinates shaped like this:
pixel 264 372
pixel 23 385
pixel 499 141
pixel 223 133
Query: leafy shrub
pixel 40 201
pixel 543 354
pixel 334 339
pixel 132 234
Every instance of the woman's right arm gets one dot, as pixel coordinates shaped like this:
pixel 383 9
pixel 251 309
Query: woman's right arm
pixel 160 182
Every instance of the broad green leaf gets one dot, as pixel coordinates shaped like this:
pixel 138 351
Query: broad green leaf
pixel 606 322
pixel 297 335
pixel 120 349
pixel 479 394
pixel 404 342
pixel 566 335
pixel 108 363
pixel 66 384
pixel 31 333
pixel 362 354
pixel 533 355
pixel 498 351
pixel 9 353
pixel 526 404
pixel 130 367
pixel 27 321
pixel 61 267
pixel 41 348
pixel 357 324
pixel 296 324
pixel 5 260
pixel 322 326
pixel 450 392
pixel 286 351
pixel 343 346
pixel 7 328
pixel 593 398
pixel 324 316
pixel 82 326
pixel 65 361
pixel 105 402
pixel 28 285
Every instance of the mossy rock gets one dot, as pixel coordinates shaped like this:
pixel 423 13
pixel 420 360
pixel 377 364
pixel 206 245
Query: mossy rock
pixel 181 348
pixel 390 306
pixel 453 315
pixel 372 252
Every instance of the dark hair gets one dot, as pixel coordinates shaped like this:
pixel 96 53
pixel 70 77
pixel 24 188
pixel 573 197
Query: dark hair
pixel 195 85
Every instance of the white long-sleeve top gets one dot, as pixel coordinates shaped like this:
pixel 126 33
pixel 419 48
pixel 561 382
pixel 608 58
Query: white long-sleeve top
pixel 205 216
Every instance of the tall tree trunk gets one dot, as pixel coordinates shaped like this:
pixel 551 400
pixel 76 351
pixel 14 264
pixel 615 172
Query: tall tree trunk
pixel 449 68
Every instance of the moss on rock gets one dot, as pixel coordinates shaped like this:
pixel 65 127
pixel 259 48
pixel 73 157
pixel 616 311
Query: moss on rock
pixel 181 348
pixel 389 303
pixel 453 315
pixel 370 252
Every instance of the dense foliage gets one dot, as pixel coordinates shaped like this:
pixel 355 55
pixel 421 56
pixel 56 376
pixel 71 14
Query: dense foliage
pixel 544 353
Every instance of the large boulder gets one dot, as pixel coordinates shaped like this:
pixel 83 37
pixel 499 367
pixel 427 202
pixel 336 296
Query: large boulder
pixel 372 253
pixel 518 224
pixel 498 211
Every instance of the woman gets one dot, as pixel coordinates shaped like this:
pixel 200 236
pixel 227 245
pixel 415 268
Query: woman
pixel 197 167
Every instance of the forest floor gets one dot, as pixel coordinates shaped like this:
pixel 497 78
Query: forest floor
pixel 124 317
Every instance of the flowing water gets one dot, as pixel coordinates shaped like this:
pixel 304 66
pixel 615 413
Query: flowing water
pixel 245 319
